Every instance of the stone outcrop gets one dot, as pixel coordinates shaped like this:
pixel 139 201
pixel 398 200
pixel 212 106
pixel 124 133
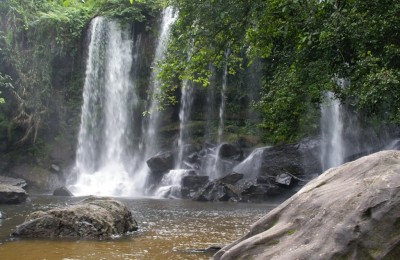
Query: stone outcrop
pixel 10 194
pixel 226 150
pixel 349 212
pixel 91 218
pixel 217 191
pixel 38 178
pixel 13 181
pixel 161 163
pixel 62 192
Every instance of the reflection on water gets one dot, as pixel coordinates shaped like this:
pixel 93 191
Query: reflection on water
pixel 168 229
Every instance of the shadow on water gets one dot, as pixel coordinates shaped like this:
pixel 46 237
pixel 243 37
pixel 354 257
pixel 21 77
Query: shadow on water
pixel 168 229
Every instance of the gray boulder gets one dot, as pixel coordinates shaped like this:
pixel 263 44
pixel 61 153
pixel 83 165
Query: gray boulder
pixel 161 163
pixel 10 194
pixel 62 192
pixel 253 192
pixel 232 178
pixel 226 150
pixel 194 182
pixel 13 181
pixel 91 218
pixel 282 164
pixel 349 212
pixel 217 191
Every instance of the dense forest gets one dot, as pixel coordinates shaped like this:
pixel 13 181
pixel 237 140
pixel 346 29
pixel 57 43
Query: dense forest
pixel 301 49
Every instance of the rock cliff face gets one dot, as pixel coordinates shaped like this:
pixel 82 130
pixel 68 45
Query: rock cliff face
pixel 349 212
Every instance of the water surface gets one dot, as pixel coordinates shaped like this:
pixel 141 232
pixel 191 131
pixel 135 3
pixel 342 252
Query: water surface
pixel 168 229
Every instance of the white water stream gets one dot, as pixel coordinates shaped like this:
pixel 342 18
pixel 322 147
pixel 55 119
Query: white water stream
pixel 103 155
pixel 333 146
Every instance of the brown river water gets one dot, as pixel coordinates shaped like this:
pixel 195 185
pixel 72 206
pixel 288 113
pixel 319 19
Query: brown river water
pixel 168 229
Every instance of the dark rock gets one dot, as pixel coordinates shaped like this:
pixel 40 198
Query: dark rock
pixel 349 212
pixel 12 194
pixel 232 178
pixel 217 191
pixel 194 182
pixel 295 160
pixel 161 163
pixel 38 178
pixel 91 218
pixel 260 192
pixel 229 151
pixel 62 191
pixel 13 181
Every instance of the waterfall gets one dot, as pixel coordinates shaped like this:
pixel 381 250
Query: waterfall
pixel 223 98
pixel 149 128
pixel 103 154
pixel 150 136
pixel 184 116
pixel 210 106
pixel 333 145
pixel 171 184
pixel 217 166
pixel 251 166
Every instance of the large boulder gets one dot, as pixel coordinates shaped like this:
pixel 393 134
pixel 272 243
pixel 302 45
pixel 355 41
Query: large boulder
pixel 226 150
pixel 13 181
pixel 283 163
pixel 38 178
pixel 62 192
pixel 161 163
pixel 349 212
pixel 217 191
pixel 232 178
pixel 91 218
pixel 194 182
pixel 10 194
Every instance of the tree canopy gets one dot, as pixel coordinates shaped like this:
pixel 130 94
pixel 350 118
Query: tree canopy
pixel 305 47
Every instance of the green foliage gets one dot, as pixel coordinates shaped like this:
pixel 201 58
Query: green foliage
pixel 33 34
pixel 304 46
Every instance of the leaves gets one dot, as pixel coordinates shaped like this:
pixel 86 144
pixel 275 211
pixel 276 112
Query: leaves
pixel 303 45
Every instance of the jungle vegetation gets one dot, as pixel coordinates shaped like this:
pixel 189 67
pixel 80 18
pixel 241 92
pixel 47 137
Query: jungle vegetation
pixel 303 48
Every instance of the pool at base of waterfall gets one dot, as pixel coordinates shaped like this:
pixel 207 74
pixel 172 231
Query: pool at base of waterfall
pixel 168 229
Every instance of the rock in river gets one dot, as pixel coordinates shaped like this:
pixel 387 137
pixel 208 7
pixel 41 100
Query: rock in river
pixel 10 194
pixel 91 218
pixel 63 192
pixel 349 212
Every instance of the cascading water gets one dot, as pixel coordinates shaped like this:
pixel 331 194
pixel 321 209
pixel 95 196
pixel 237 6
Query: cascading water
pixel 149 128
pixel 103 153
pixel 184 116
pixel 251 166
pixel 217 166
pixel 170 183
pixel 333 145
pixel 149 131
pixel 223 98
